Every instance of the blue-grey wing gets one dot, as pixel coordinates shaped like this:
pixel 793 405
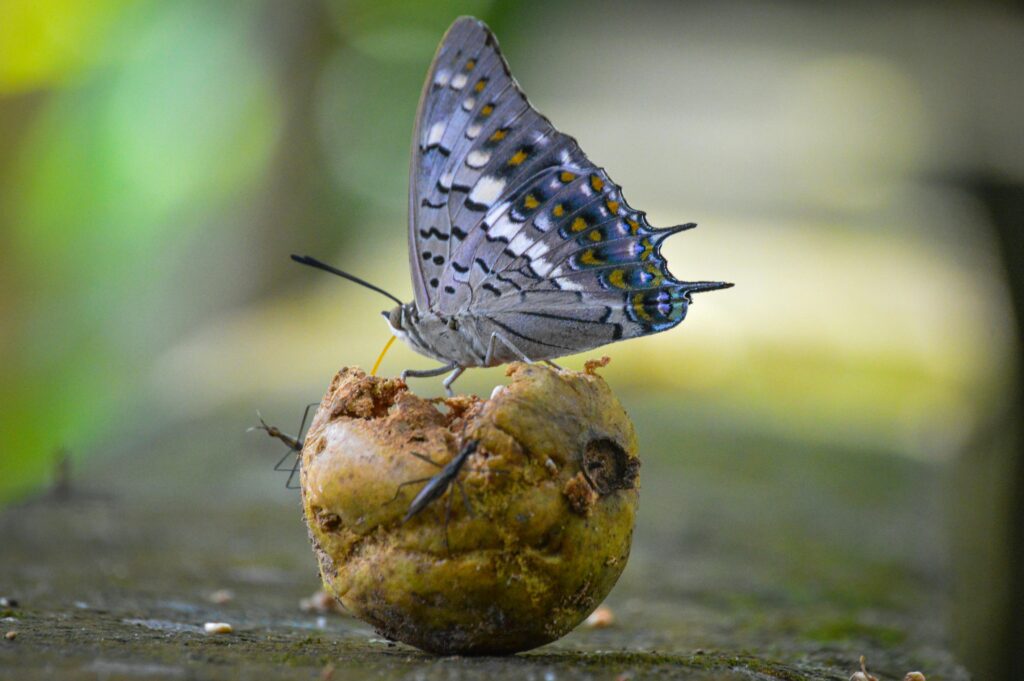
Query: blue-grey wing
pixel 544 324
pixel 515 226
pixel 477 144
pixel 581 267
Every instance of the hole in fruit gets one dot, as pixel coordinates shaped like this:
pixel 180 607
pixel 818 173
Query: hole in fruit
pixel 607 467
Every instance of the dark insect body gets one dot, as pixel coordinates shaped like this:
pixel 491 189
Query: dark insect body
pixel 438 484
pixel 521 249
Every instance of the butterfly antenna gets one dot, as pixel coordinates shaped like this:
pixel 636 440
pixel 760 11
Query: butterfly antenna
pixel 313 262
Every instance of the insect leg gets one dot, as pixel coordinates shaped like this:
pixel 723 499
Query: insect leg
pixel 495 336
pixel 294 446
pixel 398 490
pixel 451 379
pixel 424 457
pixel 300 443
pixel 447 518
pixel 465 499
pixel 427 373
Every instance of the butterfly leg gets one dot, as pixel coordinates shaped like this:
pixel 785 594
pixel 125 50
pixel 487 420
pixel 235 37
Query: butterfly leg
pixel 495 336
pixel 427 373
pixel 451 379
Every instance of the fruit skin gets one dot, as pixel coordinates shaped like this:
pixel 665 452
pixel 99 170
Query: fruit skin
pixel 552 489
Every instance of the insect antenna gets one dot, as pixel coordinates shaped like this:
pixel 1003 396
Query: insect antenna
pixel 313 262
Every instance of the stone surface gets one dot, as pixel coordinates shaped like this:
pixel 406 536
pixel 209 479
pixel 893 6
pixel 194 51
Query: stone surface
pixel 755 557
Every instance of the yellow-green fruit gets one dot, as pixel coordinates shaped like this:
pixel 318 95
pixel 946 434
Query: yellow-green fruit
pixel 527 542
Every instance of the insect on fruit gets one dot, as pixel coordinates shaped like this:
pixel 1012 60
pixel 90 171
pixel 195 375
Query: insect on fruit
pixel 294 444
pixel 520 247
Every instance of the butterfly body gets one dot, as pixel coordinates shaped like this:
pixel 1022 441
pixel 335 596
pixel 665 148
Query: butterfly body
pixel 520 247
pixel 463 339
pixel 449 339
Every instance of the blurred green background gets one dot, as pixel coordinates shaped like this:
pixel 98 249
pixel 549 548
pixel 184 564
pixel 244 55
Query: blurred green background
pixel 160 160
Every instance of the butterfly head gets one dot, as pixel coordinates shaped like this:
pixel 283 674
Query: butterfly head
pixel 400 318
pixel 403 320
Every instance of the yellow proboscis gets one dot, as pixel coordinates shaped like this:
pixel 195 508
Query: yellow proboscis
pixel 380 358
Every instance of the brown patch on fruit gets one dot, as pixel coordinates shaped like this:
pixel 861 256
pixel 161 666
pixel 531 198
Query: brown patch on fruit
pixel 371 402
pixel 326 521
pixel 580 494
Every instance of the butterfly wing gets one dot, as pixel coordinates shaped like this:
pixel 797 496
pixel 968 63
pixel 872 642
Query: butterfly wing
pixel 477 142
pixel 513 225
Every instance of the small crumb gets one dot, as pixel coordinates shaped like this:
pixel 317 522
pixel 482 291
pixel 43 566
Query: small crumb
pixel 8 602
pixel 601 618
pixel 221 596
pixel 218 628
pixel 914 676
pixel 321 602
pixel 11 635
pixel 591 366
pixel 863 675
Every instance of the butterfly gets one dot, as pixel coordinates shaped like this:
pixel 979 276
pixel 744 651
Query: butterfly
pixel 521 249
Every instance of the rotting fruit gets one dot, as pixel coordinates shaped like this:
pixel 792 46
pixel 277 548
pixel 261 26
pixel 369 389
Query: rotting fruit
pixel 526 542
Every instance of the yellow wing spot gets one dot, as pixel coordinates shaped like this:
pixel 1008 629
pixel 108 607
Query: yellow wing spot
pixel 638 307
pixel 566 176
pixel 487 110
pixel 499 135
pixel 616 278
pixel 597 183
pixel 656 273
pixel 613 207
pixel 648 249
pixel 480 85
pixel 531 201
pixel 634 226
pixel 589 258
pixel 471 64
pixel 518 157
pixel 579 224
pixel 558 211
pixel 595 235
